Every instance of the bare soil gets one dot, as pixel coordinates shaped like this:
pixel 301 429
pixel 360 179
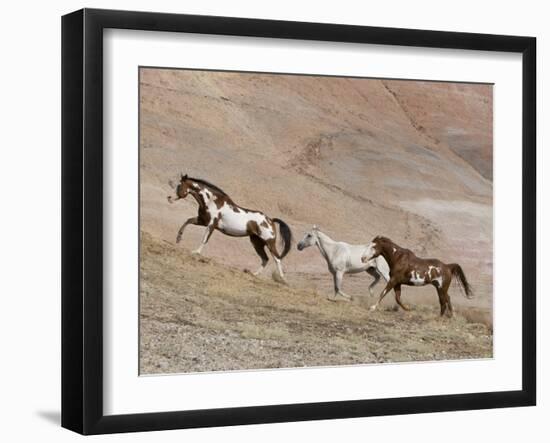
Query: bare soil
pixel 198 314
pixel 410 160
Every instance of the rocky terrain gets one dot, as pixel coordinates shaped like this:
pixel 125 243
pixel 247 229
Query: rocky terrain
pixel 199 315
pixel 358 157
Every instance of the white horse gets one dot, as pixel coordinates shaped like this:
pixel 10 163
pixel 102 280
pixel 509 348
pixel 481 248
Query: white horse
pixel 343 258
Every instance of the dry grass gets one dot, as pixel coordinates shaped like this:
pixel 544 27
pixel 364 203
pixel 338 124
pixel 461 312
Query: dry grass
pixel 197 314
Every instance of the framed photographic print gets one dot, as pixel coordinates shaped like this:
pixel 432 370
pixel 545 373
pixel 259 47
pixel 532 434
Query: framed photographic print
pixel 269 221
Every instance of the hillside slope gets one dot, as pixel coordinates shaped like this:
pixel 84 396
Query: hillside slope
pixel 198 314
pixel 410 160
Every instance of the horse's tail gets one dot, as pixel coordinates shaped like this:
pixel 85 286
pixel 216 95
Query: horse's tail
pixel 286 235
pixel 459 276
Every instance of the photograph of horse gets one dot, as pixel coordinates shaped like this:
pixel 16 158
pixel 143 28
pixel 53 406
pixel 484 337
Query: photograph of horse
pixel 408 269
pixel 343 258
pixel 218 212
pixel 333 167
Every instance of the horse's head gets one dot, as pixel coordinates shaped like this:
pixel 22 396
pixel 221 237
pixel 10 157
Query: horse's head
pixel 373 249
pixel 309 239
pixel 182 188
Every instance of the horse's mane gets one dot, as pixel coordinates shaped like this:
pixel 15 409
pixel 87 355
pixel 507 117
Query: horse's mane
pixel 207 183
pixel 384 239
pixel 389 241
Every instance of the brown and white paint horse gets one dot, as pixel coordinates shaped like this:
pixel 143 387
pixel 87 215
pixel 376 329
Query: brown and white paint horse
pixel 218 211
pixel 408 269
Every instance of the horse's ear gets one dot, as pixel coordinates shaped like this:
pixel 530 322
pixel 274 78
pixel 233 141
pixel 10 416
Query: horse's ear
pixel 315 227
pixel 183 177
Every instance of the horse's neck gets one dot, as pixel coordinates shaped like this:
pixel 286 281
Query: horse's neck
pixel 325 244
pixel 389 254
pixel 203 203
pixel 206 196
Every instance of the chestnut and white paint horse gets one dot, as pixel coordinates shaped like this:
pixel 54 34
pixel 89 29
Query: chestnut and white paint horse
pixel 343 258
pixel 218 211
pixel 408 269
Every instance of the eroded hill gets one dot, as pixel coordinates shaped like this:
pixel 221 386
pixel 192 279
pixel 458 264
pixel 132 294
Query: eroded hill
pixel 409 160
pixel 359 158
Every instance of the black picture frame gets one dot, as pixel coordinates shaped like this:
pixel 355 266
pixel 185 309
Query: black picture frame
pixel 82 219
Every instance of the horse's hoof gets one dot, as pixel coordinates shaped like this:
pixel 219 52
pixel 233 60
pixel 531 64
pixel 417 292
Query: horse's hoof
pixel 278 278
pixel 373 308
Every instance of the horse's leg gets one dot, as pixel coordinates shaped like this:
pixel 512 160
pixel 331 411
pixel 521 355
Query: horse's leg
pixel 190 221
pixel 397 291
pixel 338 276
pixel 259 246
pixel 207 233
pixel 272 249
pixel 374 273
pixel 442 301
pixel 389 286
pixel 445 300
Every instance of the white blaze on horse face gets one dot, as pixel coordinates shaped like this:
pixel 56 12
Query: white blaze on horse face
pixel 417 279
pixel 394 250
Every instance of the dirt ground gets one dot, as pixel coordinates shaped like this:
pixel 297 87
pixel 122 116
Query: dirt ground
pixel 359 158
pixel 200 315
